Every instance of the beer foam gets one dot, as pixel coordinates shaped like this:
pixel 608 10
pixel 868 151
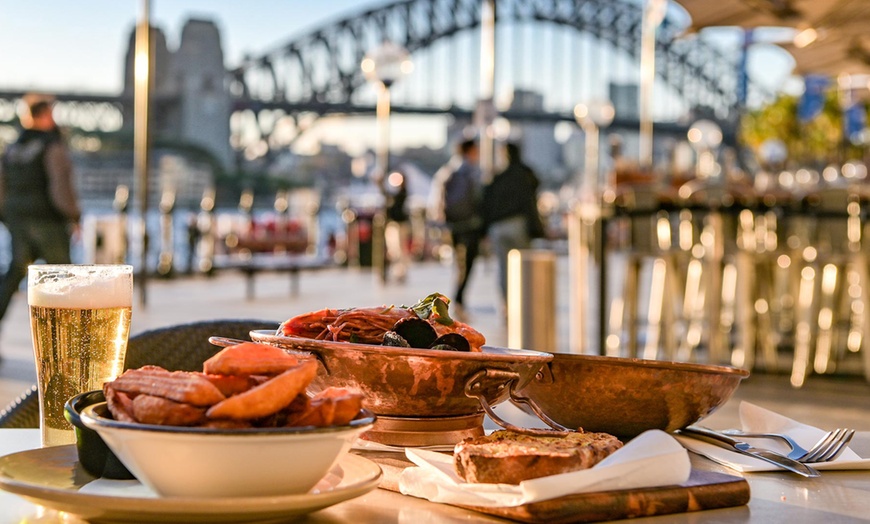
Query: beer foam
pixel 91 288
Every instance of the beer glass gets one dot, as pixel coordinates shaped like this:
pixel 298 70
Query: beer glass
pixel 79 322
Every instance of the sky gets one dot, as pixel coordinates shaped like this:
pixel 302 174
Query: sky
pixel 79 46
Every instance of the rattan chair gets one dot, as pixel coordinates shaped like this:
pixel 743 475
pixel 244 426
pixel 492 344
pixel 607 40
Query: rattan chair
pixel 182 347
pixel 23 412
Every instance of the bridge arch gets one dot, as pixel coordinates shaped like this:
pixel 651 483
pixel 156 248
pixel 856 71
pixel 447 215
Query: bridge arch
pixel 321 67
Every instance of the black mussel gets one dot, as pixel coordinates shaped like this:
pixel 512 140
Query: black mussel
pixel 391 338
pixel 451 342
pixel 418 332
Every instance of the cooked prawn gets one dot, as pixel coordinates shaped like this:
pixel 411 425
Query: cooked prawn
pixel 367 325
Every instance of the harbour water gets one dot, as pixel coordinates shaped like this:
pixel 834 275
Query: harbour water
pixel 104 234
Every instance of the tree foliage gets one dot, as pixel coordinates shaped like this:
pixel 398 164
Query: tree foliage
pixel 818 142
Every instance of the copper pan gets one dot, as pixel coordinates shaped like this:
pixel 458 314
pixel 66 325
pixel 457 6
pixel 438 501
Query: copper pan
pixel 627 396
pixel 407 382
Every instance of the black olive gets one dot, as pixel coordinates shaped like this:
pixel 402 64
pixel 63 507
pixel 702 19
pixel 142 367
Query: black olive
pixel 451 342
pixel 391 338
pixel 416 331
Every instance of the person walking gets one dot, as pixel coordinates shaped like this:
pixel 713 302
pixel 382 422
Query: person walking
pixel 398 229
pixel 38 200
pixel 510 211
pixel 456 193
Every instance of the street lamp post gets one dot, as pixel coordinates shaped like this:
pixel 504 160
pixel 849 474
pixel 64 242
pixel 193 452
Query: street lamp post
pixel 591 117
pixel 653 14
pixel 705 136
pixel 486 111
pixel 143 67
pixel 383 66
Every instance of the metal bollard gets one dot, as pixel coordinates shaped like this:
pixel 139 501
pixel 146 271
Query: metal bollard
pixel 531 299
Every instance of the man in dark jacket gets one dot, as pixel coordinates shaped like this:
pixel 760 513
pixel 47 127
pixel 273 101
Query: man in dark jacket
pixel 457 187
pixel 38 201
pixel 510 211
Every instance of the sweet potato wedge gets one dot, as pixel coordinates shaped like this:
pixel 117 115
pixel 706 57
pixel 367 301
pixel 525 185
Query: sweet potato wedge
pixel 267 398
pixel 231 385
pixel 250 358
pixel 330 407
pixel 181 386
pixel 149 409
pixel 119 403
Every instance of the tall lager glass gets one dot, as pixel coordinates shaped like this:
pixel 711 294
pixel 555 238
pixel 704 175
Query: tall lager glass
pixel 80 322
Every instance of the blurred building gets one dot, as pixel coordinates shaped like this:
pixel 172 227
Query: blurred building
pixel 191 101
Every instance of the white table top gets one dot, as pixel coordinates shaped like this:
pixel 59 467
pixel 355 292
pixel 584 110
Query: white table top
pixel 776 497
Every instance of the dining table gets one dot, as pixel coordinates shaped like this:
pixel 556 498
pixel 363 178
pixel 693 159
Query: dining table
pixel 835 496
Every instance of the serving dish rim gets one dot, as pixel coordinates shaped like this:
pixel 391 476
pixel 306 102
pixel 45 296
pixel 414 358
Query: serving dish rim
pixel 487 353
pixel 98 421
pixel 658 364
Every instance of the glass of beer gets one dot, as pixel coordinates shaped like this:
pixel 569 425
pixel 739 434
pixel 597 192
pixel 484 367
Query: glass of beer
pixel 80 323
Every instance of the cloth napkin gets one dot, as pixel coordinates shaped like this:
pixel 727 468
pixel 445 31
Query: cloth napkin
pixel 651 459
pixel 118 488
pixel 757 419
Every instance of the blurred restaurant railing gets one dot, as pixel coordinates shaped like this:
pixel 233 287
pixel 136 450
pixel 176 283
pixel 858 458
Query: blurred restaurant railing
pixel 202 238
pixel 717 271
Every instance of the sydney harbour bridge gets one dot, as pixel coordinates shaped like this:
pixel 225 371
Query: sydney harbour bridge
pixel 566 51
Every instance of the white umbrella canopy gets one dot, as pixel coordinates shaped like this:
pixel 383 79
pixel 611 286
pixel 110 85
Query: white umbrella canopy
pixel 744 13
pixel 830 34
pixel 833 55
pixel 838 40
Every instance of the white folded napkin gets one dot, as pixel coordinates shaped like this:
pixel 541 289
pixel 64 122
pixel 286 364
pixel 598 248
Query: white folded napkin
pixel 651 459
pixel 759 420
pixel 118 488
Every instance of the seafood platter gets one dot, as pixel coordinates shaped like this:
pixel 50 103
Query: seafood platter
pixel 430 379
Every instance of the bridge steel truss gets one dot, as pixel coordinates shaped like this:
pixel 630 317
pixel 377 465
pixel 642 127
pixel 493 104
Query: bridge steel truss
pixel 88 112
pixel 320 72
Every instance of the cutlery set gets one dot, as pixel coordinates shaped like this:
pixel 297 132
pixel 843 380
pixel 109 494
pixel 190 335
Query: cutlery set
pixel 797 460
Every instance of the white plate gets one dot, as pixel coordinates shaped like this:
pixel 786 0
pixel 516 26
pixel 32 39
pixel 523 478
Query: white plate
pixel 53 478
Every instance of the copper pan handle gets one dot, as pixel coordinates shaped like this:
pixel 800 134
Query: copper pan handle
pixel 474 388
pixel 517 399
pixel 226 342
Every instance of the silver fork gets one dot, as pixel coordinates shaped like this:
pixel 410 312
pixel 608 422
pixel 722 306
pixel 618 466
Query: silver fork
pixel 796 451
pixel 828 448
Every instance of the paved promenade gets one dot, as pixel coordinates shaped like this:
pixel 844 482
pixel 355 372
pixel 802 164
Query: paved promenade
pixel 827 402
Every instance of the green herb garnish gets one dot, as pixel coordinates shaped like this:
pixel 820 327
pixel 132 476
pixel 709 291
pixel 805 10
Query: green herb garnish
pixel 435 303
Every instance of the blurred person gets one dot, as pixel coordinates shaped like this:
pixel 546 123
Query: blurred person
pixel 456 203
pixel 510 211
pixel 38 200
pixel 398 229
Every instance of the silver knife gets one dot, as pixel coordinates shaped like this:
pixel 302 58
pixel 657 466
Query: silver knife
pixel 738 446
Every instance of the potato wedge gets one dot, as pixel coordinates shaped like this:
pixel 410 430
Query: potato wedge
pixel 250 358
pixel 181 386
pixel 231 385
pixel 267 398
pixel 149 409
pixel 330 407
pixel 119 403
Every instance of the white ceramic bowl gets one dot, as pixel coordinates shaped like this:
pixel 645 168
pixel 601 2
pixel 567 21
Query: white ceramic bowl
pixel 203 462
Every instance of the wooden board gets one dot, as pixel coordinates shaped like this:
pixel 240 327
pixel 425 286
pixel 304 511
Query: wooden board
pixel 704 490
